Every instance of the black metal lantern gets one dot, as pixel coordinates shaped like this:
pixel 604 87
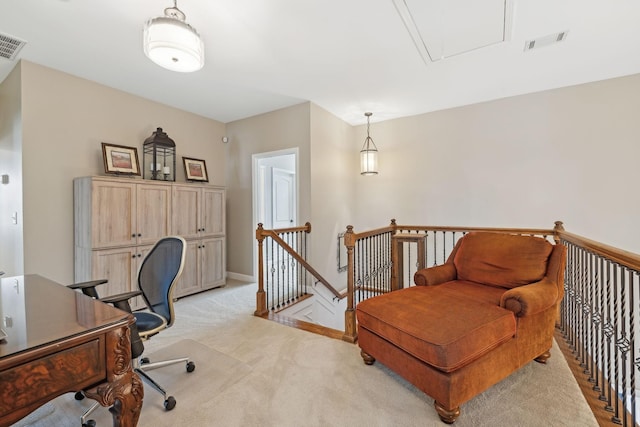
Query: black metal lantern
pixel 159 161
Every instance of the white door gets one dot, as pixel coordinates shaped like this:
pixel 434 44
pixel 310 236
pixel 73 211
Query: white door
pixel 283 198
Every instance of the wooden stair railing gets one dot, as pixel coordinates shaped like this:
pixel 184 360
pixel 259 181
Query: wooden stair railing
pixel 275 236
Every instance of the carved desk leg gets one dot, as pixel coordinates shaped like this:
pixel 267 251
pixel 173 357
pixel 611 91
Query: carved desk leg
pixel 123 391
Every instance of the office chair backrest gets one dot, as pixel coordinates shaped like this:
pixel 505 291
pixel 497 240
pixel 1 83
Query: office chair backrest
pixel 159 273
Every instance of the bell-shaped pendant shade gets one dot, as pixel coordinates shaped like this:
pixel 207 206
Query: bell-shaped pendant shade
pixel 172 43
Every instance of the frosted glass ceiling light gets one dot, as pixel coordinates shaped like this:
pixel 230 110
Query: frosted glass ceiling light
pixel 172 43
pixel 368 154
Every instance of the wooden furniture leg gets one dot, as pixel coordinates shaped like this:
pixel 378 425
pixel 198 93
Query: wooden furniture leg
pixel 543 357
pixel 448 416
pixel 123 391
pixel 368 360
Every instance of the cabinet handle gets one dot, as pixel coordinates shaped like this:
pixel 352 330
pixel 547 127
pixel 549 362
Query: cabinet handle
pixel 203 229
pixel 139 255
pixel 133 256
pixel 133 235
pixel 139 235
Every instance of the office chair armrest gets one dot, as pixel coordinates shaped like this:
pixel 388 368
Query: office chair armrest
pixel 89 284
pixel 88 288
pixel 121 301
pixel 121 297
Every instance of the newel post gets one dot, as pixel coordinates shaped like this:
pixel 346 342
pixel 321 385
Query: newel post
pixel 261 297
pixel 559 226
pixel 350 330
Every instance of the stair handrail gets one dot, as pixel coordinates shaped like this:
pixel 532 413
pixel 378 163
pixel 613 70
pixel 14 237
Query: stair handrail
pixel 261 234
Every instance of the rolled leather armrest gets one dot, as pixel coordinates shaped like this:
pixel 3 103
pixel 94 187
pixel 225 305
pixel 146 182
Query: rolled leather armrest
pixel 435 275
pixel 530 299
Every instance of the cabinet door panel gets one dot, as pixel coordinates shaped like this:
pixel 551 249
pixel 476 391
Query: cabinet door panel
pixel 186 211
pixel 114 221
pixel 118 266
pixel 154 207
pixel 213 211
pixel 188 282
pixel 213 263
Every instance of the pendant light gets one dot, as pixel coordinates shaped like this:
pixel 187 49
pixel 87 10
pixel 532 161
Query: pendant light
pixel 368 154
pixel 172 43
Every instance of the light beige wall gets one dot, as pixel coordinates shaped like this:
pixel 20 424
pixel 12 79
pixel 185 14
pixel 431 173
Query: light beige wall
pixel 65 118
pixel 11 249
pixel 569 154
pixel 278 130
pixel 334 167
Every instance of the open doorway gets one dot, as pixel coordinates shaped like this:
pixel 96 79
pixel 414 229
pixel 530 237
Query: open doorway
pixel 275 190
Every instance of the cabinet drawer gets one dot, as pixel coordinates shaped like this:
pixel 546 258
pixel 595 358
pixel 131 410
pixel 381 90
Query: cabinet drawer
pixel 52 375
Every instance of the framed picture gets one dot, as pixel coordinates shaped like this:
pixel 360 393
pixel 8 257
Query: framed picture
pixel 120 160
pixel 195 170
pixel 342 254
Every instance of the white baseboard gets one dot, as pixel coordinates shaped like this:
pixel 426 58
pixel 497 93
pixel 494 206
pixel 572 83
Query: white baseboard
pixel 241 277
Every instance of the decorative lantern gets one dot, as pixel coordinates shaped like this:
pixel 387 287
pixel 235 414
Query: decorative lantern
pixel 159 161
pixel 368 154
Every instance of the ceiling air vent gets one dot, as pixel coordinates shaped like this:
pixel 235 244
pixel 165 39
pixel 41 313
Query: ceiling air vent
pixel 10 46
pixel 545 40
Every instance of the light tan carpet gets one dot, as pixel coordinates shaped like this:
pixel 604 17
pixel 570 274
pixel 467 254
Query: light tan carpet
pixel 253 372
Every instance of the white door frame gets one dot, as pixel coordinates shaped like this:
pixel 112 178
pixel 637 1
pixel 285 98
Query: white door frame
pixel 256 191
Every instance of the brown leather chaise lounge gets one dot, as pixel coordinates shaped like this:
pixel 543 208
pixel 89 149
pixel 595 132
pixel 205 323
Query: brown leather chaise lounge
pixel 489 310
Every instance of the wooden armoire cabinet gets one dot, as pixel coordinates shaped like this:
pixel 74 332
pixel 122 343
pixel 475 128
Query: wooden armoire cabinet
pixel 117 221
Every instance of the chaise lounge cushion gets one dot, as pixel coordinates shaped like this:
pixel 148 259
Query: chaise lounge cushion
pixel 502 260
pixel 465 330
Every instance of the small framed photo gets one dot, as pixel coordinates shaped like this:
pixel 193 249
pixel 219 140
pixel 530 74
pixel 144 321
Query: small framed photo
pixel 120 160
pixel 195 170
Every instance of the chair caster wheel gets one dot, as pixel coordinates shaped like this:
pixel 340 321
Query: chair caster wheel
pixel 144 360
pixel 90 423
pixel 191 367
pixel 170 403
pixel 79 395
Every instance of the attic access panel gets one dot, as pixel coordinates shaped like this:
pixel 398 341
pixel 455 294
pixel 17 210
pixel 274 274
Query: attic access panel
pixel 445 28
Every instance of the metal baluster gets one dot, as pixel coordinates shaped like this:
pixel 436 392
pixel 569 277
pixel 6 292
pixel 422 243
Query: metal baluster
pixel 359 266
pixel 583 310
pixel 598 319
pixel 589 310
pixel 614 349
pixel 609 355
pixel 632 334
pixel 274 270
pixel 435 256
pixel 623 342
pixel 574 299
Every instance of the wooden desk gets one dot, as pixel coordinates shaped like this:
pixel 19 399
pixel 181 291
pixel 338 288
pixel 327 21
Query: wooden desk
pixel 61 341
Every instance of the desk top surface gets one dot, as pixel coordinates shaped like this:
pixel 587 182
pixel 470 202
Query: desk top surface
pixel 36 311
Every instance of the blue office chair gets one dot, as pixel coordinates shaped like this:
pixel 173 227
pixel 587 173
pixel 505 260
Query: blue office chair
pixel 157 277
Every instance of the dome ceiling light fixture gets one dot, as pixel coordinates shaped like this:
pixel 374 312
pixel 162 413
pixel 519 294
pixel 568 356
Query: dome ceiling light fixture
pixel 172 43
pixel 368 154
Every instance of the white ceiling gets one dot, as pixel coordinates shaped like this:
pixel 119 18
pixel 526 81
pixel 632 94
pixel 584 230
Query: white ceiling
pixel 347 56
